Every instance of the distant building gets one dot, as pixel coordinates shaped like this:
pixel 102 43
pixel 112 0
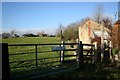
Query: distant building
pixel 90 31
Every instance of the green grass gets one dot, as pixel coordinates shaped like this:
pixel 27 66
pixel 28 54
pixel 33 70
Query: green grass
pixel 88 71
pixel 26 49
pixel 31 40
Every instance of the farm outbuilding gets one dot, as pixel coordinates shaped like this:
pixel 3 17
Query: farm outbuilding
pixel 90 32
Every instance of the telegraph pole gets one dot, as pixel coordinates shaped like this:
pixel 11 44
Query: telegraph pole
pixel 115 16
pixel 61 36
pixel 102 38
pixel 119 10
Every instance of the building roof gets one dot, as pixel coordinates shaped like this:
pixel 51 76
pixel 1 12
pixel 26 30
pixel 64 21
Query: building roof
pixel 86 21
pixel 117 22
pixel 96 25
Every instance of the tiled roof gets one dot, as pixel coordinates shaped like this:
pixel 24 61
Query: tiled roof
pixel 95 25
pixel 117 22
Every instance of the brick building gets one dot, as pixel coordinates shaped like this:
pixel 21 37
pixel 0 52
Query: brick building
pixel 116 35
pixel 90 31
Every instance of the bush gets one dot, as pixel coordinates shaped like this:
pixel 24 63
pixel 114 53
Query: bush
pixel 114 51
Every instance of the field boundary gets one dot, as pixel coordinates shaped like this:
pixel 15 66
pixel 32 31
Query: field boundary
pixel 79 60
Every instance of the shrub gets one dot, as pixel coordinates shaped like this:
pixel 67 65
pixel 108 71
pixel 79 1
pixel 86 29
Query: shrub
pixel 114 51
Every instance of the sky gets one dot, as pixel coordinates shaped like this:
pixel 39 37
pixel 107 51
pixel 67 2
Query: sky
pixel 33 17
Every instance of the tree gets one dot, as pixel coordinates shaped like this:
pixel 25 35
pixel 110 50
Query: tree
pixel 12 33
pixel 98 16
pixel 16 35
pixel 108 22
pixel 71 32
pixel 98 13
pixel 5 35
pixel 59 31
pixel 41 33
pixel 29 35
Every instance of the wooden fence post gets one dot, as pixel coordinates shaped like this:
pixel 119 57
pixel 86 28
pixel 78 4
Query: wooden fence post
pixel 99 55
pixel 106 56
pixel 118 58
pixel 5 62
pixel 36 55
pixel 62 54
pixel 80 54
pixel 96 54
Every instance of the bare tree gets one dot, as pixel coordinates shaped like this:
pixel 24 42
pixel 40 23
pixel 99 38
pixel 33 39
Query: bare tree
pixel 98 13
pixel 108 22
pixel 98 16
pixel 59 31
pixel 40 33
pixel 12 33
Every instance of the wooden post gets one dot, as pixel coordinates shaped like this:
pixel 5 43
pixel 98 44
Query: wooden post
pixel 62 54
pixel 119 58
pixel 80 54
pixel 0 61
pixel 36 55
pixel 106 56
pixel 102 39
pixel 99 55
pixel 95 53
pixel 5 62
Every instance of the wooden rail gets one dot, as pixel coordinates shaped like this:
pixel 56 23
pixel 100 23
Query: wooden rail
pixel 79 54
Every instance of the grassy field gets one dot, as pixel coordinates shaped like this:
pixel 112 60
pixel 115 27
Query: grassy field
pixel 88 71
pixel 31 49
pixel 31 40
pixel 24 49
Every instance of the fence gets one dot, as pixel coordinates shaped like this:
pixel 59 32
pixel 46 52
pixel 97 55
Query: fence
pixel 55 59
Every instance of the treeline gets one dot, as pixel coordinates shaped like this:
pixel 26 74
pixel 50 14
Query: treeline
pixel 13 34
pixel 71 31
pixel 37 35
